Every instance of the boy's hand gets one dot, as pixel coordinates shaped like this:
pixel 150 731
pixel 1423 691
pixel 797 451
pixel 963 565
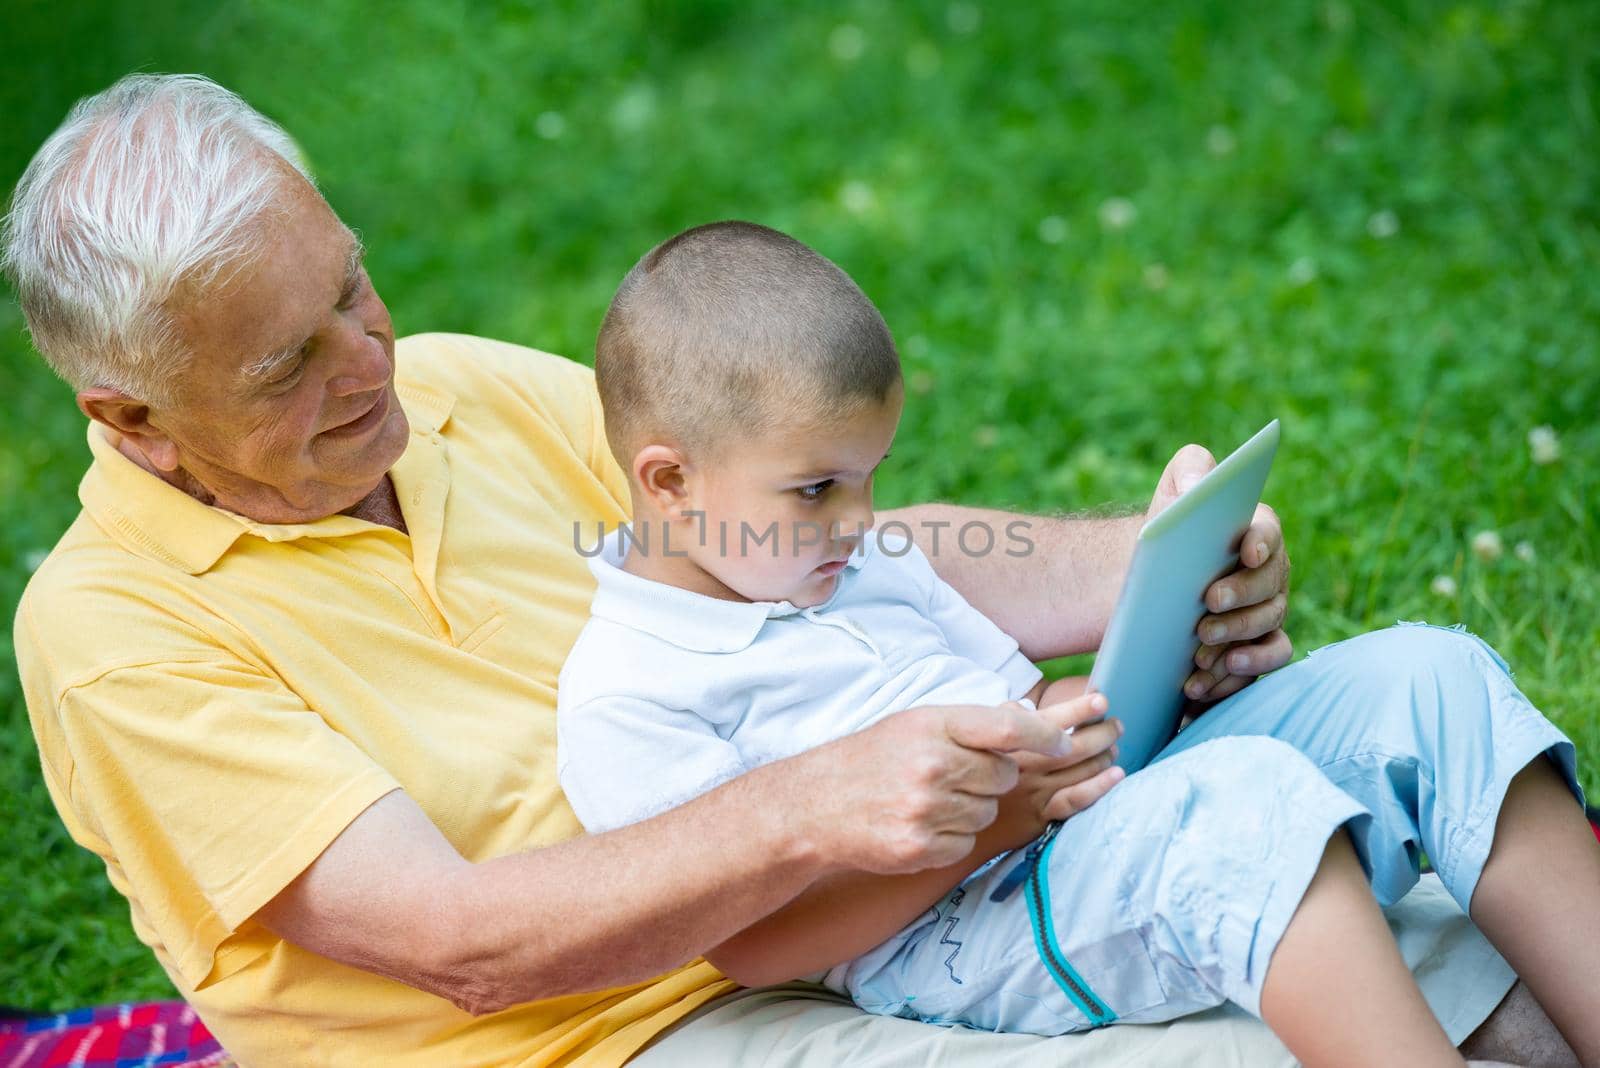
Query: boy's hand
pixel 1243 635
pixel 1057 788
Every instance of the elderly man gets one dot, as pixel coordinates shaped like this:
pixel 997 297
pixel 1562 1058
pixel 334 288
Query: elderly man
pixel 292 669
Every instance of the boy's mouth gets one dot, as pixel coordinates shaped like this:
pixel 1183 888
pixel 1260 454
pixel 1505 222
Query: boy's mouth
pixel 832 567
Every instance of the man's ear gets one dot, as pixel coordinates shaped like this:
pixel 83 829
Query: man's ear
pixel 659 471
pixel 130 418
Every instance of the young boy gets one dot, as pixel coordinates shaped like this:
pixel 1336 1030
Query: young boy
pixel 751 611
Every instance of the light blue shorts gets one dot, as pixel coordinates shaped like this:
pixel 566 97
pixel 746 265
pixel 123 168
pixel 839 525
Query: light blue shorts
pixel 1168 896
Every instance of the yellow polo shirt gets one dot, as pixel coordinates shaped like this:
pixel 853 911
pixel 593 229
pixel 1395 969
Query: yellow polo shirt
pixel 215 699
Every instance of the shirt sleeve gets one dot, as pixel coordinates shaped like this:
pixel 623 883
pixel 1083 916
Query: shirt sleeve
pixel 210 786
pixel 968 632
pixel 623 759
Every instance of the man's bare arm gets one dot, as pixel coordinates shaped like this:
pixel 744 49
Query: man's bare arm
pixel 1037 565
pixel 392 896
pixel 1051 583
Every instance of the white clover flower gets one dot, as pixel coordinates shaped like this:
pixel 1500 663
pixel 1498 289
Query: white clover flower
pixel 1443 586
pixel 550 125
pixel 1220 141
pixel 1544 445
pixel 1052 229
pixel 985 436
pixel 1117 213
pixel 1156 277
pixel 857 197
pixel 847 42
pixel 920 382
pixel 1524 552
pixel 635 108
pixel 1383 224
pixel 923 60
pixel 1303 271
pixel 1487 546
pixel 963 18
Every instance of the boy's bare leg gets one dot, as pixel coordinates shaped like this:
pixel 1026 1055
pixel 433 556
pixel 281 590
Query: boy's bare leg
pixel 1337 991
pixel 1538 901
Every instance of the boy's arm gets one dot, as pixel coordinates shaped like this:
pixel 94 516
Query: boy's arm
pixel 843 915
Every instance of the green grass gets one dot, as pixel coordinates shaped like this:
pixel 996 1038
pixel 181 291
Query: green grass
pixel 962 165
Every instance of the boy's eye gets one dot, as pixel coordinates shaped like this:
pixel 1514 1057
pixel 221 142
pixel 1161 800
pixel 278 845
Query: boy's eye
pixel 814 491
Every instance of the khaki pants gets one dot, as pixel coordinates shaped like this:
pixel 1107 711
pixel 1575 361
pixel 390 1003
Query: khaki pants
pixel 799 1025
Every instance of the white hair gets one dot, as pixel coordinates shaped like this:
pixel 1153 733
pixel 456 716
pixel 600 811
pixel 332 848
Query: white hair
pixel 153 183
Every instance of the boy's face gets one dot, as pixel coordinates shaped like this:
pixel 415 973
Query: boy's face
pixel 782 513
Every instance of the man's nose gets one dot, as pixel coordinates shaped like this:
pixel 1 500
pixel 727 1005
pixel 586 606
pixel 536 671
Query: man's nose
pixel 365 369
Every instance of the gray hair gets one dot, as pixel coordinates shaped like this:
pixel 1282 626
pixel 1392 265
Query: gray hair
pixel 152 183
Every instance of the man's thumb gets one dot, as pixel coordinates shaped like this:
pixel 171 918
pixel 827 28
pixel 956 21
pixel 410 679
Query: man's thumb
pixel 1186 468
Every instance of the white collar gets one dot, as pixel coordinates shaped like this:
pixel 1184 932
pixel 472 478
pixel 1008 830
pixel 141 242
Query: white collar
pixel 686 619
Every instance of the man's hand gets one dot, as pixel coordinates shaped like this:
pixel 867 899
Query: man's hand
pixel 913 791
pixel 1243 635
pixel 1012 793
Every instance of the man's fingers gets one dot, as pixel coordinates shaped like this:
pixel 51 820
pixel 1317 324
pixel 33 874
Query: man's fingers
pixel 985 774
pixel 1009 728
pixel 1242 661
pixel 1244 624
pixel 1187 466
pixel 1263 566
pixel 1268 653
pixel 1207 655
pixel 970 815
pixel 1198 686
pixel 1249 585
pixel 1229 686
pixel 1263 540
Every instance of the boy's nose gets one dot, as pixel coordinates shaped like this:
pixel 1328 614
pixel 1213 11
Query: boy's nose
pixel 853 523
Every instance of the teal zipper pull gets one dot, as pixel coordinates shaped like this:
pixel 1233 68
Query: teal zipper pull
pixel 1019 875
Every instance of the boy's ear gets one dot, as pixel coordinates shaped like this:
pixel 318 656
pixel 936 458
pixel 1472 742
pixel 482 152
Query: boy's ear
pixel 130 417
pixel 659 472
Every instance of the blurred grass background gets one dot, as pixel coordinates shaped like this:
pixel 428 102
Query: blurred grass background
pixel 1098 230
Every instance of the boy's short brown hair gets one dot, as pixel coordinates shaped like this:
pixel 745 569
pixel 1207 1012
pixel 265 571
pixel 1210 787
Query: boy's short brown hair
pixel 723 331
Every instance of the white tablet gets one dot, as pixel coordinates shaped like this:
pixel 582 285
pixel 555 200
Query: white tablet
pixel 1150 644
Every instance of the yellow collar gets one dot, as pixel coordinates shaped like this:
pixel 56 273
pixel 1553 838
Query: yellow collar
pixel 162 523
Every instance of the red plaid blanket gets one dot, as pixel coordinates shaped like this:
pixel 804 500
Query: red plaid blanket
pixel 157 1034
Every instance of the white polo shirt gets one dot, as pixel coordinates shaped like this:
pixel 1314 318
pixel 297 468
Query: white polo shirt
pixel 669 693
